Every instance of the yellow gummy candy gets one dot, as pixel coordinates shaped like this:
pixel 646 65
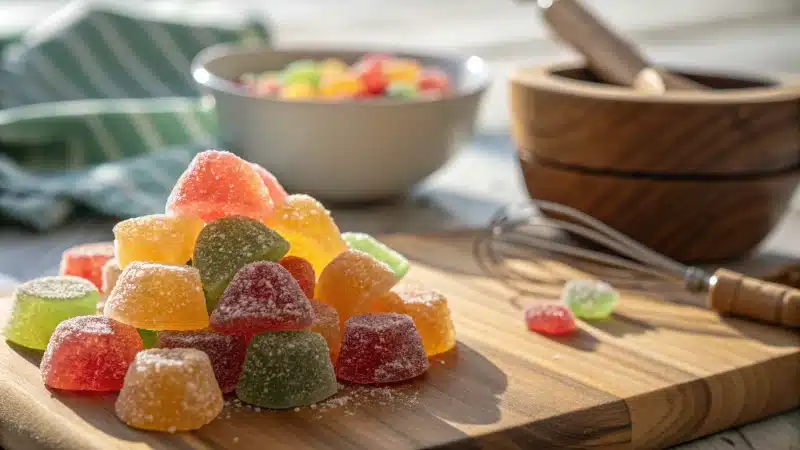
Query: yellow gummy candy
pixel 156 238
pixel 298 91
pixel 402 70
pixel 342 85
pixel 332 66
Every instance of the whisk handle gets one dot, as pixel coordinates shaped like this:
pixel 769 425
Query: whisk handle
pixel 734 294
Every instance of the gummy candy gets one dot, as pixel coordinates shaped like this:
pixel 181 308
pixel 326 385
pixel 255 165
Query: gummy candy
pixel 41 304
pixel 303 71
pixel 589 299
pixel 326 323
pixel 352 282
pixel 428 309
pixel 262 296
pixel 86 261
pixel 400 69
pixel 156 238
pixel 219 184
pixel 433 80
pixel 89 353
pixel 158 297
pixel 401 89
pixel 225 352
pixel 310 230
pixel 550 319
pixel 169 390
pixel 298 91
pixel 332 66
pixel 276 191
pixel 342 85
pixel 149 337
pixel 368 244
pixel 286 369
pixel 380 348
pixel 226 245
pixel 110 275
pixel 302 271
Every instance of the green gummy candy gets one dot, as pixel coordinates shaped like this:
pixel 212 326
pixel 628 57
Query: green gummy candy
pixel 402 90
pixel 302 71
pixel 378 250
pixel 226 245
pixel 286 369
pixel 149 337
pixel 589 299
pixel 41 304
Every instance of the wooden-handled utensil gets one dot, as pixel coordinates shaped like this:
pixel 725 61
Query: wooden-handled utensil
pixel 728 292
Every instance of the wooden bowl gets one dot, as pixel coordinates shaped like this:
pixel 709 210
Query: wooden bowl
pixel 697 176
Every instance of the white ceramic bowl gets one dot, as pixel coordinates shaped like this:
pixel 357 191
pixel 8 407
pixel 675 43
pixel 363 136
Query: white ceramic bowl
pixel 341 150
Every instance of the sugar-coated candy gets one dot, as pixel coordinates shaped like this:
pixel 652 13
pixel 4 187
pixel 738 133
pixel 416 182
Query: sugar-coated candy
pixel 326 323
pixel 169 390
pixel 380 348
pixel 39 305
pixel 228 244
pixel 219 184
pixel 310 230
pixel 286 369
pixel 352 282
pixel 276 192
pixel 111 271
pixel 589 299
pixel 89 353
pixel 226 352
pixel 302 271
pixel 263 296
pixel 298 91
pixel 434 80
pixel 301 71
pixel 158 297
pixel 403 70
pixel 149 337
pixel 342 85
pixel 402 89
pixel 428 309
pixel 378 250
pixel 86 261
pixel 156 238
pixel 549 318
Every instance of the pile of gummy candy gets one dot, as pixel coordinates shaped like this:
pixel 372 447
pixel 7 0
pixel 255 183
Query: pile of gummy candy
pixel 374 75
pixel 240 288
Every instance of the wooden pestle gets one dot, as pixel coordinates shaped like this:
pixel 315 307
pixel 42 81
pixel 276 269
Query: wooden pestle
pixel 734 294
pixel 610 57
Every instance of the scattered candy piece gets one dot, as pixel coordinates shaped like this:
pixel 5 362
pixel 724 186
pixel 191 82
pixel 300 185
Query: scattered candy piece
pixel 326 323
pixel 286 369
pixel 225 352
pixel 380 348
pixel 276 192
pixel 149 337
pixel 86 261
pixel 549 318
pixel 89 353
pixel 39 305
pixel 368 244
pixel 156 238
pixel 228 244
pixel 169 390
pixel 158 297
pixel 589 299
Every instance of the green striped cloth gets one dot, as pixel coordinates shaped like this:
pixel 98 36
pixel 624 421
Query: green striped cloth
pixel 98 109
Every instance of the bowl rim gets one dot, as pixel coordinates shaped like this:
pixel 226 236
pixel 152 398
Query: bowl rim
pixel 206 78
pixel 544 78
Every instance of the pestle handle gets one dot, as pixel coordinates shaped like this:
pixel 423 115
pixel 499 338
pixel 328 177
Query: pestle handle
pixel 612 58
pixel 734 294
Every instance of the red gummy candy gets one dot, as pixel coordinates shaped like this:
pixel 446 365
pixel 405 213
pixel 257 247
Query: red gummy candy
pixel 87 261
pixel 374 81
pixel 276 192
pixel 434 80
pixel 263 296
pixel 380 348
pixel 226 352
pixel 302 271
pixel 549 318
pixel 90 353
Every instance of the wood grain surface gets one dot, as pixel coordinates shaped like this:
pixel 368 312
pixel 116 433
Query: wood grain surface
pixel 654 375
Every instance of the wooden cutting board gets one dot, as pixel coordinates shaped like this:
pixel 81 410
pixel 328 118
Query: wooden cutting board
pixel 654 375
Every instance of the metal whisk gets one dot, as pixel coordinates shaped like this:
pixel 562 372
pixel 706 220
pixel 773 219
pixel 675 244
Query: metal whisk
pixel 728 292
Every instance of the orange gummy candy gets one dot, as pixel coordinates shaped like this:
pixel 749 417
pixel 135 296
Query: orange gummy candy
pixel 156 238
pixel 352 282
pixel 169 390
pixel 326 323
pixel 428 309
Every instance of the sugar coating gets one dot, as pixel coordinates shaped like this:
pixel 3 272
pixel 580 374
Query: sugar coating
pixel 86 261
pixel 226 352
pixel 589 299
pixel 110 275
pixel 220 184
pixel 378 250
pixel 310 229
pixel 381 348
pixel 352 282
pixel 326 323
pixel 39 305
pixel 276 192
pixel 302 271
pixel 228 244
pixel 263 296
pixel 169 390
pixel 89 353
pixel 429 311
pixel 156 238
pixel 549 318
pixel 158 297
pixel 286 369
